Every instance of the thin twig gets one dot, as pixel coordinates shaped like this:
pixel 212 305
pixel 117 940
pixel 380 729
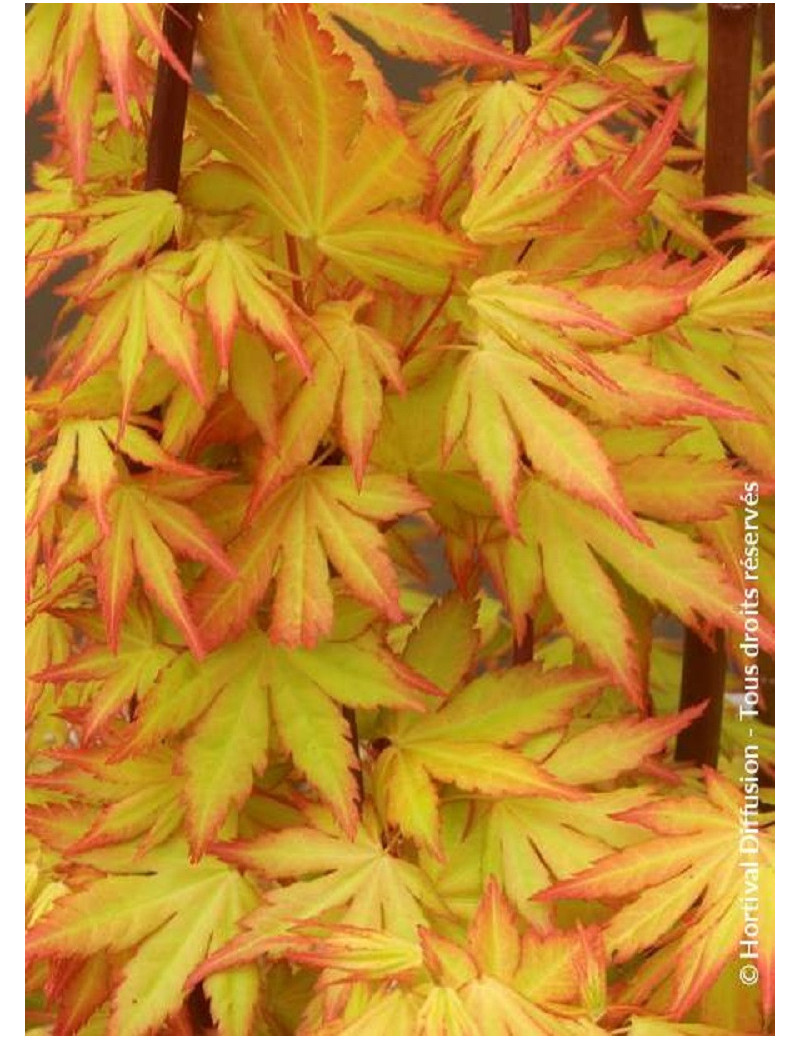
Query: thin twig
pixel 352 722
pixel 294 266
pixel 419 335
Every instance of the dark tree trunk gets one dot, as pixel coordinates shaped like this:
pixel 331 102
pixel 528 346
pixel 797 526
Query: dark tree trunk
pixel 164 151
pixel 730 42
pixel 766 126
pixel 520 28
pixel 165 143
pixel 636 38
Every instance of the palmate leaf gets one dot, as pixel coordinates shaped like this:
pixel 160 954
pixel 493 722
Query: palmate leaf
pixel 428 33
pixel 651 1025
pixel 757 213
pixel 526 842
pixel 605 750
pixel 528 181
pixel 726 1004
pixel 239 284
pixel 117 676
pixel 470 742
pixel 644 393
pixel 503 413
pixel 541 320
pixel 46 224
pixel 351 360
pixel 47 645
pixel 501 979
pixel 358 880
pixel 688 875
pixel 604 214
pixel 124 228
pixel 330 167
pixel 97 444
pixel 680 488
pixel 239 694
pixel 264 756
pixel 70 48
pixel 145 530
pixel 171 915
pixel 141 310
pixel 316 517
pixel 449 622
pixel 101 805
pixel 672 571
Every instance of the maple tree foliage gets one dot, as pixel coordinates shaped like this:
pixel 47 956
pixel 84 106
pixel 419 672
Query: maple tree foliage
pixel 279 781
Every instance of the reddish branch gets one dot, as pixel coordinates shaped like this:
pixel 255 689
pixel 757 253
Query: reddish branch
pixel 730 41
pixel 730 45
pixel 521 41
pixel 766 124
pixel 702 679
pixel 164 151
pixel 520 28
pixel 766 135
pixel 636 38
pixel 165 143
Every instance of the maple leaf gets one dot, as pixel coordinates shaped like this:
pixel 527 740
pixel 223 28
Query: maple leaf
pixel 739 292
pixel 449 622
pixel 470 742
pixel 331 172
pixel 317 516
pixel 118 675
pixel 144 528
pixel 529 317
pixel 71 48
pixel 688 875
pixel 528 180
pixel 47 645
pixel 672 570
pixel 138 311
pixel 424 32
pixel 606 205
pixel 94 443
pixel 358 879
pixel 46 226
pixel 83 986
pixel 526 842
pixel 238 281
pixel 680 488
pixel 109 805
pixel 126 228
pixel 235 697
pixel 501 980
pixel 498 406
pixel 647 394
pixel 638 298
pixel 351 360
pixel 651 1025
pixel 757 213
pixel 170 914
pixel 605 750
